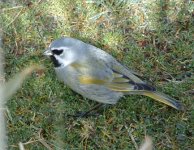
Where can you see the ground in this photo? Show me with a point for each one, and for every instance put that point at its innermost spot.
(153, 38)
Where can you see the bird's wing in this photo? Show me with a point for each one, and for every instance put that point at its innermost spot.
(117, 83)
(117, 67)
(101, 74)
(112, 63)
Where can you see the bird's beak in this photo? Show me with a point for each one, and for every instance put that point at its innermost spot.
(47, 52)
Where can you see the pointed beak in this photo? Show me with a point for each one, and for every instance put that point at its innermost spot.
(47, 52)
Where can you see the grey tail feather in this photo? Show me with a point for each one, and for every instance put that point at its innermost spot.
(141, 86)
(176, 103)
(161, 97)
(165, 98)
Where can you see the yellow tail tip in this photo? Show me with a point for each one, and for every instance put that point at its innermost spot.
(165, 99)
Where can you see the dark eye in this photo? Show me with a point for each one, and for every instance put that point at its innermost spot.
(57, 51)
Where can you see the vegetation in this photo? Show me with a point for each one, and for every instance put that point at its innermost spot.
(154, 38)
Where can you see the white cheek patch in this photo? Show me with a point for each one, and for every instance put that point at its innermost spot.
(67, 59)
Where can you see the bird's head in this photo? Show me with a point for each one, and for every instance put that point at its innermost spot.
(62, 51)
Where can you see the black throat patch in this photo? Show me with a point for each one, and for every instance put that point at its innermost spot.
(55, 61)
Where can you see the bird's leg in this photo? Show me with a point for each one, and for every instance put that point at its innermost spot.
(88, 113)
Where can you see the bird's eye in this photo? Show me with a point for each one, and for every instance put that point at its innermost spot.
(57, 51)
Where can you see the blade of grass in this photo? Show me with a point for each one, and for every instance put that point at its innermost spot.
(13, 84)
(6, 91)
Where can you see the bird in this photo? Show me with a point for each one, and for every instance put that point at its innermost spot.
(97, 75)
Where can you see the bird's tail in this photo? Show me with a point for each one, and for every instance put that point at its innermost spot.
(164, 99)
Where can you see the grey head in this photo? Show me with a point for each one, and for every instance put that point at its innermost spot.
(64, 51)
(64, 42)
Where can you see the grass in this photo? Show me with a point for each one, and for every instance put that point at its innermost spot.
(154, 39)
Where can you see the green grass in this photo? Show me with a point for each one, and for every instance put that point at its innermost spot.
(154, 39)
